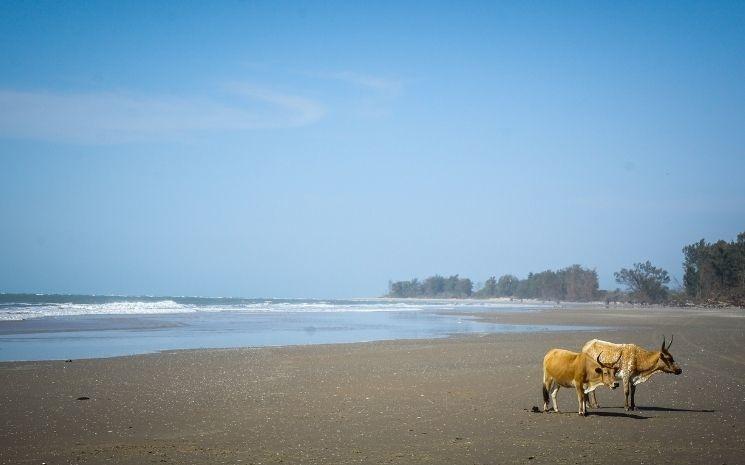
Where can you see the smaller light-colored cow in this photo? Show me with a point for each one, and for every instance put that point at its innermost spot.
(634, 365)
(563, 368)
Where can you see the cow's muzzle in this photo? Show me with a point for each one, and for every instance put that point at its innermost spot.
(678, 371)
(614, 385)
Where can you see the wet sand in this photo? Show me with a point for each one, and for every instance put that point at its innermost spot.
(463, 400)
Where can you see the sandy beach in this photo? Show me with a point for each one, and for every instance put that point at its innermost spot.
(461, 400)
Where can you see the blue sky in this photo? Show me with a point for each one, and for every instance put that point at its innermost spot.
(319, 150)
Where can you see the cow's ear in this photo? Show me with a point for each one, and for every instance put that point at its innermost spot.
(598, 370)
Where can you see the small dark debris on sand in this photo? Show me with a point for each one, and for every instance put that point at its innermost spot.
(83, 398)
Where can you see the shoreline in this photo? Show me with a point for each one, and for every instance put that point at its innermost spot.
(96, 335)
(463, 399)
(569, 317)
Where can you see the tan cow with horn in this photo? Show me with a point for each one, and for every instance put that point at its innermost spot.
(562, 368)
(634, 365)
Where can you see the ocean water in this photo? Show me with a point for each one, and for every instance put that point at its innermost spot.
(59, 327)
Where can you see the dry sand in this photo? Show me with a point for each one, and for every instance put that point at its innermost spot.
(463, 400)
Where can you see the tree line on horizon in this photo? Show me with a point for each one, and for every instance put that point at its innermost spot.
(434, 287)
(713, 273)
(570, 283)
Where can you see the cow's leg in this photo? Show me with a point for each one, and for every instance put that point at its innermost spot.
(554, 391)
(546, 386)
(581, 401)
(593, 400)
(632, 388)
(627, 393)
(588, 399)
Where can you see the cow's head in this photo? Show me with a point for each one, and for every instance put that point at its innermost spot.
(607, 372)
(665, 362)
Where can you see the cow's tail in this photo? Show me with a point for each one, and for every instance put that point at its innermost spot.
(545, 386)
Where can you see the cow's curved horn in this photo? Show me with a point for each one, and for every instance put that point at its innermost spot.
(663, 343)
(618, 359)
(607, 365)
(671, 341)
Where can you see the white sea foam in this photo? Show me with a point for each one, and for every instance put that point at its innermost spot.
(22, 311)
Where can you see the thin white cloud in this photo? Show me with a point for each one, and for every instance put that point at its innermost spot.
(376, 83)
(115, 117)
(375, 95)
(300, 111)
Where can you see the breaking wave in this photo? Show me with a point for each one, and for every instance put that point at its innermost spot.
(25, 306)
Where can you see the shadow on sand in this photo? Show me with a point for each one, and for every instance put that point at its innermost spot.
(616, 414)
(652, 409)
(590, 413)
(670, 409)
